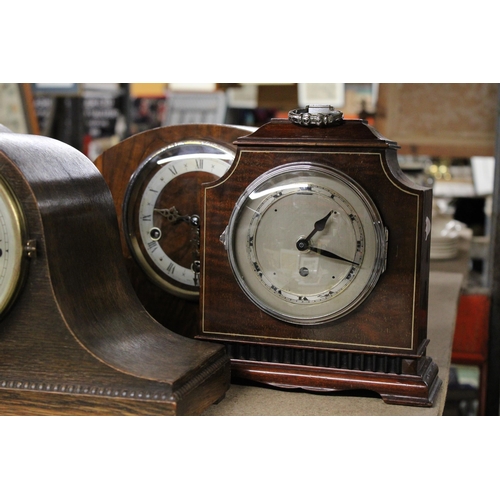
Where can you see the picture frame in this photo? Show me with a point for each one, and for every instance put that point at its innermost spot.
(321, 93)
(17, 110)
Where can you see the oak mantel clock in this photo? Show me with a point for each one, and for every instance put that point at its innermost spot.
(315, 261)
(74, 338)
(155, 178)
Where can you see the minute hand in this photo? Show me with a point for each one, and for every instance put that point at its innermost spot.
(331, 255)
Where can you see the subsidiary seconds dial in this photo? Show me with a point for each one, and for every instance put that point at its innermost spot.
(306, 244)
(161, 212)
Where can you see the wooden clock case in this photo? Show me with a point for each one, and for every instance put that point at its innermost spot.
(117, 165)
(77, 341)
(381, 345)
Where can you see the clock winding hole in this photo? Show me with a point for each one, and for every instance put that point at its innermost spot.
(155, 233)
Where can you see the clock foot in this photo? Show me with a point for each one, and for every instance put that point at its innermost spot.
(418, 389)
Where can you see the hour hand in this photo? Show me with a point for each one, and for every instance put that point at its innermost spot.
(331, 255)
(319, 225)
(172, 214)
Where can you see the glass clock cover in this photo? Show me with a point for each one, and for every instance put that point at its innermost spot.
(306, 244)
(161, 213)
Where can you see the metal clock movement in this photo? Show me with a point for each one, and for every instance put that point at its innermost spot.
(155, 178)
(315, 261)
(74, 337)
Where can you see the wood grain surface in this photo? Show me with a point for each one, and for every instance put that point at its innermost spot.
(78, 340)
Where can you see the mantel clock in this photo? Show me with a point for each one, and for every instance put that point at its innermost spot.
(74, 337)
(155, 178)
(315, 261)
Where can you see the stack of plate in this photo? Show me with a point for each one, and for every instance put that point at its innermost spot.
(445, 237)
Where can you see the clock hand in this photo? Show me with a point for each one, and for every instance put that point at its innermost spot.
(319, 225)
(172, 214)
(331, 255)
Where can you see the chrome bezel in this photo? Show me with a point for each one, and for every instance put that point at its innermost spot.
(264, 301)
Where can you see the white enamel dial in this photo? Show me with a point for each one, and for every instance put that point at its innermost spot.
(150, 234)
(306, 244)
(11, 246)
(161, 213)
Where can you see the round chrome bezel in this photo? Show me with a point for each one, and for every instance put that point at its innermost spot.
(240, 267)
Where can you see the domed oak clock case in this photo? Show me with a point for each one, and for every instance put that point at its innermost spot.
(315, 262)
(155, 178)
(74, 338)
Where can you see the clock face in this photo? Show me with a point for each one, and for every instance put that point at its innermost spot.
(11, 246)
(306, 244)
(161, 212)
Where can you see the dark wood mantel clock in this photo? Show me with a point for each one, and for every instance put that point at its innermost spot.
(74, 338)
(155, 178)
(315, 261)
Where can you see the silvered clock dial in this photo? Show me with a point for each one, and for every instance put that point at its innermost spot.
(306, 244)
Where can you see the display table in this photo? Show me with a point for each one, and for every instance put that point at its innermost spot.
(242, 399)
